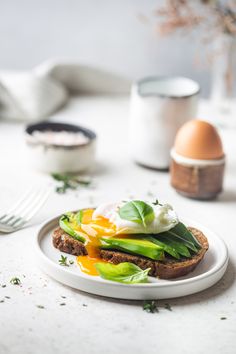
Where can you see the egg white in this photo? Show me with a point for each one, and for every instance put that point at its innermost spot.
(164, 220)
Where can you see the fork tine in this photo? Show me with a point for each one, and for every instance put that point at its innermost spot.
(11, 217)
(34, 207)
(17, 204)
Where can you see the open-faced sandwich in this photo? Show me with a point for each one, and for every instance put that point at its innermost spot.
(129, 240)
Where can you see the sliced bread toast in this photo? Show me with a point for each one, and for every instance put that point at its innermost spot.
(66, 243)
(166, 269)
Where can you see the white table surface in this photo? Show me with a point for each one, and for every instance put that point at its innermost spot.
(103, 325)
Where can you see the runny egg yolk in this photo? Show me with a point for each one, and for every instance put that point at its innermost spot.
(87, 264)
(93, 231)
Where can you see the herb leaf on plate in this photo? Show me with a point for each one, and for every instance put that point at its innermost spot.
(182, 231)
(180, 236)
(137, 211)
(179, 247)
(157, 202)
(127, 273)
(65, 217)
(167, 248)
(63, 261)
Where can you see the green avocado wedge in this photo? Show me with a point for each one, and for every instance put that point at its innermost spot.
(135, 246)
(65, 225)
(167, 248)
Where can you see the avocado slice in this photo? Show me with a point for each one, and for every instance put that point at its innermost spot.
(66, 225)
(135, 246)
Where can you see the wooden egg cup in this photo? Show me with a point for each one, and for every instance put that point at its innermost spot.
(198, 181)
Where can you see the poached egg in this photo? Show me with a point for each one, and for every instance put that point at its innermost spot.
(164, 219)
(106, 221)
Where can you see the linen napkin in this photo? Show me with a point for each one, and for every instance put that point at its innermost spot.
(36, 94)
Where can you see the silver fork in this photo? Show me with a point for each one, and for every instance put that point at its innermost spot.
(24, 209)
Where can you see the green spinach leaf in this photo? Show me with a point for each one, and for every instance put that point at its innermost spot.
(167, 248)
(127, 273)
(179, 247)
(182, 231)
(137, 211)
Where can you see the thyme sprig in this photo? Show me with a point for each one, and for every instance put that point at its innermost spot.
(68, 182)
(150, 306)
(63, 261)
(15, 281)
(168, 307)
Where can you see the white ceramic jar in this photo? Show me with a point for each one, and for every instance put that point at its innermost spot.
(159, 106)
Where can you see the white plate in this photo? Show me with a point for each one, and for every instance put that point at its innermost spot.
(207, 273)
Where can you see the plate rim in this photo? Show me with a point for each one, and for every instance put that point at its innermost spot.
(179, 282)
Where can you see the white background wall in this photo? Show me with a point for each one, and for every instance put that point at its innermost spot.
(106, 33)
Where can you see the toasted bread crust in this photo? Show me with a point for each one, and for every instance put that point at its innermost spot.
(66, 243)
(167, 269)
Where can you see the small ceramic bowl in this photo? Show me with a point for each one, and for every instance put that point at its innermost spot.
(51, 157)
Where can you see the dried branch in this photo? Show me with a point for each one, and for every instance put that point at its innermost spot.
(216, 16)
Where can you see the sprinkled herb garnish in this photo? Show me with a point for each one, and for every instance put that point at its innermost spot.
(40, 307)
(68, 181)
(71, 261)
(3, 285)
(63, 297)
(84, 305)
(168, 307)
(63, 261)
(62, 304)
(157, 202)
(15, 281)
(150, 306)
(7, 297)
(223, 318)
(1, 301)
(65, 217)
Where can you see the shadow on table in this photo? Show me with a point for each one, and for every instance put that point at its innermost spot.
(228, 196)
(100, 169)
(213, 292)
(204, 296)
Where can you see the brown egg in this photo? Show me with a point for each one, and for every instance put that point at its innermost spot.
(198, 139)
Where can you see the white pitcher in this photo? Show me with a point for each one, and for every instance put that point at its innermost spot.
(159, 106)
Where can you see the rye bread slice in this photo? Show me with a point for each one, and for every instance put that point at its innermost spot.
(166, 269)
(66, 243)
